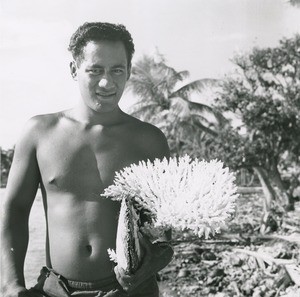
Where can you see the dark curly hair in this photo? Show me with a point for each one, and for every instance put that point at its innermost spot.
(97, 31)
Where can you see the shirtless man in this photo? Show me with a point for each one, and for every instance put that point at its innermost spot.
(73, 155)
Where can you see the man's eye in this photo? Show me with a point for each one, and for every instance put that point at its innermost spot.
(94, 71)
(118, 71)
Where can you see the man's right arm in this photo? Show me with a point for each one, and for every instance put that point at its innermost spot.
(20, 192)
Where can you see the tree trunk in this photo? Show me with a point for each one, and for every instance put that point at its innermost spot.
(268, 223)
(269, 192)
(284, 196)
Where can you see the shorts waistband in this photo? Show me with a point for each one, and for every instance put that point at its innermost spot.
(94, 285)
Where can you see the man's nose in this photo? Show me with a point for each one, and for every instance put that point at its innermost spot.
(106, 82)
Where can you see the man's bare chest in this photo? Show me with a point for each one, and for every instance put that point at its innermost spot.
(81, 162)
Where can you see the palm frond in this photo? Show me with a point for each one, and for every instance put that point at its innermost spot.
(263, 258)
(141, 87)
(140, 108)
(197, 107)
(169, 79)
(200, 118)
(171, 72)
(195, 86)
(204, 128)
(173, 77)
(147, 81)
(294, 237)
(154, 82)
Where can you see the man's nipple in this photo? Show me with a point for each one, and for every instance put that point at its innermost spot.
(52, 180)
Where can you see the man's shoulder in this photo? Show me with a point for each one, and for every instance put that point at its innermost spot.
(148, 137)
(34, 128)
(144, 129)
(38, 125)
(44, 121)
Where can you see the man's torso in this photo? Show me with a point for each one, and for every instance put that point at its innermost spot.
(76, 163)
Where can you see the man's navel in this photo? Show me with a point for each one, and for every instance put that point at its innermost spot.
(89, 249)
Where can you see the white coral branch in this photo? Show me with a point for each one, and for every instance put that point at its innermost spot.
(179, 193)
(112, 255)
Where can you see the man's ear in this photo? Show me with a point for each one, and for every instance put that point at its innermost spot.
(73, 70)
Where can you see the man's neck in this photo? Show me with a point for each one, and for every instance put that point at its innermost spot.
(90, 117)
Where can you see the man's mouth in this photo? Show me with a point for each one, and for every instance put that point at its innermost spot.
(105, 94)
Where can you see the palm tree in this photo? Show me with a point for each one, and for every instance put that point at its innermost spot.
(165, 102)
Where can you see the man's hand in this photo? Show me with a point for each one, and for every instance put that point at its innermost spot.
(156, 257)
(127, 281)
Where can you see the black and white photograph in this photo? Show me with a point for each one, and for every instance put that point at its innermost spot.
(150, 148)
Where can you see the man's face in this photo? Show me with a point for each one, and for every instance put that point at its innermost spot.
(102, 74)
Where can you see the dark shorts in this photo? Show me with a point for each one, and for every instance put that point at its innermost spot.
(51, 284)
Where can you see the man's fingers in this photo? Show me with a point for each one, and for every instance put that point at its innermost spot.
(125, 280)
(120, 272)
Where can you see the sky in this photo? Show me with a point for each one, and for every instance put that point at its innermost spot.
(200, 36)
